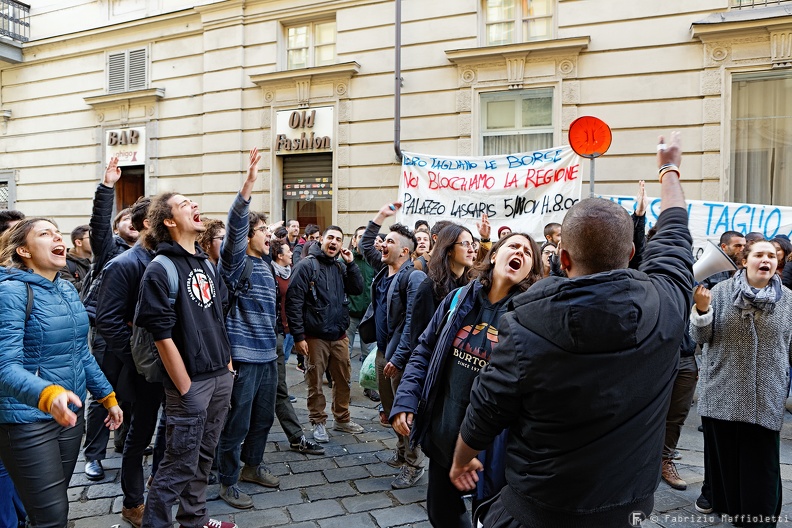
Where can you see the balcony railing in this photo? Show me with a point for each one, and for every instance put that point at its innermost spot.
(15, 20)
(750, 4)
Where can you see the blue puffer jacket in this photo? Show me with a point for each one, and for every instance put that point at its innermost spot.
(49, 348)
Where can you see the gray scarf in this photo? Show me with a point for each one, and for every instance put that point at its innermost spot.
(284, 272)
(746, 297)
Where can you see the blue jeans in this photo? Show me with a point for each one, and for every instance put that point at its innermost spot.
(11, 510)
(249, 419)
(288, 344)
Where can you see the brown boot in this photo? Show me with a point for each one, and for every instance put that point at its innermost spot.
(133, 515)
(671, 476)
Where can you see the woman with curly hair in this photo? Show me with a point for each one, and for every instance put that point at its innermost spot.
(435, 389)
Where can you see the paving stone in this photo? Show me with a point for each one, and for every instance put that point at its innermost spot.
(220, 507)
(75, 493)
(382, 434)
(331, 491)
(358, 520)
(665, 500)
(364, 503)
(303, 525)
(78, 510)
(356, 459)
(332, 450)
(301, 480)
(267, 517)
(321, 509)
(410, 495)
(385, 454)
(118, 503)
(341, 438)
(110, 489)
(399, 515)
(284, 456)
(381, 470)
(278, 498)
(312, 465)
(347, 473)
(365, 447)
(100, 521)
(112, 463)
(373, 484)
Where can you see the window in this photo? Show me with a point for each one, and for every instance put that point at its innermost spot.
(127, 71)
(7, 197)
(750, 4)
(514, 21)
(310, 45)
(516, 121)
(761, 128)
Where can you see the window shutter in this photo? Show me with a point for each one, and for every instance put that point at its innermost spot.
(137, 69)
(116, 72)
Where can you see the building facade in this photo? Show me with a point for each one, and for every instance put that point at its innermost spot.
(181, 90)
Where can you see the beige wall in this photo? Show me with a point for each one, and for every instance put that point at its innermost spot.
(642, 71)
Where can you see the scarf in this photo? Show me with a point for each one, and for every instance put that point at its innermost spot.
(746, 297)
(284, 272)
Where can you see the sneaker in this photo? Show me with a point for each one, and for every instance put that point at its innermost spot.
(383, 418)
(677, 455)
(700, 428)
(260, 475)
(348, 427)
(214, 523)
(300, 368)
(234, 497)
(395, 461)
(292, 398)
(670, 475)
(212, 478)
(703, 505)
(133, 516)
(94, 470)
(371, 395)
(407, 478)
(320, 433)
(307, 447)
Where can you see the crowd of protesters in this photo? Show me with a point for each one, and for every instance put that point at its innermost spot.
(181, 328)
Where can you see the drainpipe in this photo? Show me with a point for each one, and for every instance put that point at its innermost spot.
(397, 91)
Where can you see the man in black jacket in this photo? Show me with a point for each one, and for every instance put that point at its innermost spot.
(108, 240)
(190, 336)
(583, 373)
(317, 309)
(115, 311)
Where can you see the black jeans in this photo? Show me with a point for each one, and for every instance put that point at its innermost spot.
(96, 434)
(148, 398)
(40, 457)
(283, 407)
(444, 502)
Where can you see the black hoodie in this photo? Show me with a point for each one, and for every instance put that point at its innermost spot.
(195, 322)
(582, 375)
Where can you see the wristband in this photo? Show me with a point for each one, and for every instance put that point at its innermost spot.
(673, 168)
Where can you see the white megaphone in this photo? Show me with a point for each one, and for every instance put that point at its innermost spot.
(712, 261)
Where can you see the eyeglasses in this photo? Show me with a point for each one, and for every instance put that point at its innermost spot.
(218, 238)
(262, 229)
(465, 244)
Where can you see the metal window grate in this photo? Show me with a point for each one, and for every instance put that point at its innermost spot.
(15, 20)
(4, 195)
(750, 4)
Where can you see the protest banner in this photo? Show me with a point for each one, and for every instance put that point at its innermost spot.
(523, 191)
(708, 220)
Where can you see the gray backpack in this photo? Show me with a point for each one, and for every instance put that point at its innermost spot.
(144, 351)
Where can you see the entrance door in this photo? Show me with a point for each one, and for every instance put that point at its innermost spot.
(308, 189)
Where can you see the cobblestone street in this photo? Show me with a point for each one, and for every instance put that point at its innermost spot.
(349, 487)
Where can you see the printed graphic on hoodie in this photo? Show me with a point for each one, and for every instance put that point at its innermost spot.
(201, 288)
(473, 345)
